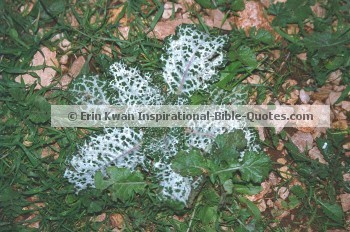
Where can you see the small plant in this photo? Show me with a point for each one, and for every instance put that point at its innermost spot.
(171, 163)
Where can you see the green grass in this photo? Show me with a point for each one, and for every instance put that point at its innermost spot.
(25, 129)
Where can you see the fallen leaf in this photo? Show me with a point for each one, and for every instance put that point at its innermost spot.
(302, 140)
(35, 225)
(76, 66)
(269, 203)
(346, 177)
(107, 50)
(217, 19)
(266, 3)
(274, 179)
(318, 131)
(116, 220)
(276, 54)
(48, 151)
(280, 145)
(345, 201)
(292, 29)
(164, 29)
(339, 115)
(114, 14)
(345, 105)
(43, 57)
(64, 59)
(65, 45)
(254, 79)
(292, 98)
(341, 125)
(304, 97)
(332, 98)
(302, 56)
(293, 95)
(71, 20)
(73, 72)
(251, 16)
(99, 218)
(282, 214)
(285, 173)
(346, 146)
(26, 8)
(124, 20)
(56, 37)
(169, 8)
(186, 15)
(315, 154)
(64, 81)
(124, 32)
(335, 77)
(189, 5)
(339, 88)
(318, 10)
(306, 129)
(281, 161)
(262, 205)
(179, 218)
(283, 193)
(292, 217)
(289, 83)
(321, 94)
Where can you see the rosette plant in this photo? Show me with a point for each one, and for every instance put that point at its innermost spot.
(173, 163)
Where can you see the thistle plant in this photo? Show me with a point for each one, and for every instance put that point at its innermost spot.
(177, 160)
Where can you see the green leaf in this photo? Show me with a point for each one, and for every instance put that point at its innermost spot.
(13, 33)
(95, 206)
(40, 111)
(190, 164)
(206, 4)
(228, 147)
(256, 167)
(247, 57)
(264, 36)
(207, 214)
(294, 152)
(247, 189)
(251, 207)
(326, 148)
(199, 99)
(123, 183)
(335, 63)
(231, 142)
(228, 75)
(100, 182)
(332, 211)
(293, 202)
(298, 191)
(17, 92)
(228, 186)
(53, 7)
(290, 12)
(237, 5)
